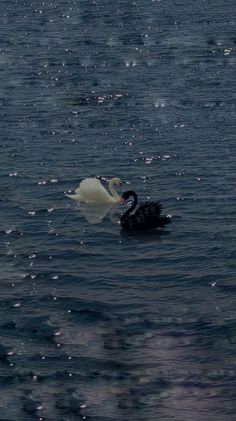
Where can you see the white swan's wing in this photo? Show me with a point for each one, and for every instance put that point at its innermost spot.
(91, 190)
(94, 214)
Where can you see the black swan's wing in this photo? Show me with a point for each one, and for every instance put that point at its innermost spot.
(149, 209)
(147, 216)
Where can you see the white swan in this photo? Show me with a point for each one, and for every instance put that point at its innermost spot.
(91, 190)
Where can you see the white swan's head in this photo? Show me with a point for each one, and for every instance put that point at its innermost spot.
(116, 181)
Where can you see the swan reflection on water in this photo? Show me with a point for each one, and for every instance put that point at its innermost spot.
(144, 236)
(95, 213)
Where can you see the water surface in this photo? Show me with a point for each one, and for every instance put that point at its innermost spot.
(97, 324)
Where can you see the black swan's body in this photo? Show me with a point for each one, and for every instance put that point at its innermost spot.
(146, 217)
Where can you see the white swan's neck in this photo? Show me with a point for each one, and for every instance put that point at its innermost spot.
(113, 191)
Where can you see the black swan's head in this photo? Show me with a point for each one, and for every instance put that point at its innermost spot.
(128, 194)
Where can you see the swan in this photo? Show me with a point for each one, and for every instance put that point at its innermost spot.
(91, 190)
(147, 216)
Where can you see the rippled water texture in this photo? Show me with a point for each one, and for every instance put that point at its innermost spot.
(96, 324)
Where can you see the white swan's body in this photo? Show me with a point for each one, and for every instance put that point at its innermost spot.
(91, 190)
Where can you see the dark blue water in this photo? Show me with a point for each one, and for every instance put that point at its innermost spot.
(95, 324)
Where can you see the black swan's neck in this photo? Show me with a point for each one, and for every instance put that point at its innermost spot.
(134, 204)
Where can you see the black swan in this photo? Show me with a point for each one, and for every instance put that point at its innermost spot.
(146, 217)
